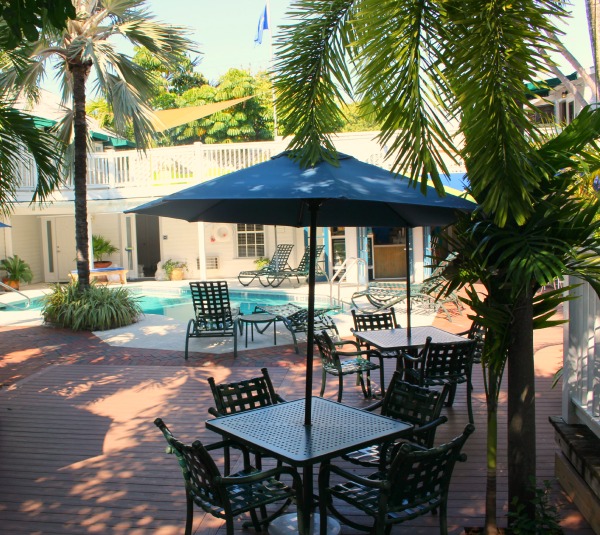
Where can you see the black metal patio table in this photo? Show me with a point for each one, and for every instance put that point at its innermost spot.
(400, 340)
(280, 431)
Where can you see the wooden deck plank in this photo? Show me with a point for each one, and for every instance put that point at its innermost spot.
(79, 452)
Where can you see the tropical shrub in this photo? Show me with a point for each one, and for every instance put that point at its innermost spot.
(16, 269)
(102, 247)
(97, 308)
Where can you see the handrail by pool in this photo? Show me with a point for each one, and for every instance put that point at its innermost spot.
(7, 287)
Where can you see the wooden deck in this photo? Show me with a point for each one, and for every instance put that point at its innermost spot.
(79, 453)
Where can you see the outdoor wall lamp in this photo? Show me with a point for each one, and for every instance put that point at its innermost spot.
(564, 94)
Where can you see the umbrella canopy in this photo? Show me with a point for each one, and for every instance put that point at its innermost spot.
(280, 192)
(2, 225)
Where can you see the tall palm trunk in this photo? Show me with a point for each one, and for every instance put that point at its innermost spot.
(521, 408)
(80, 73)
(491, 490)
(592, 8)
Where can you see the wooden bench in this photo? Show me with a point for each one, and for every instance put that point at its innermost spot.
(103, 273)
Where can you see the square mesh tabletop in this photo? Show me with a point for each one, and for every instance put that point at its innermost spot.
(279, 429)
(398, 339)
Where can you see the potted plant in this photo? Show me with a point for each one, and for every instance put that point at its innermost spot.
(174, 269)
(17, 270)
(102, 247)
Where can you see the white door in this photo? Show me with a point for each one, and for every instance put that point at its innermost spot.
(59, 248)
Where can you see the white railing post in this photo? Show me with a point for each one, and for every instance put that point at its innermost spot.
(200, 164)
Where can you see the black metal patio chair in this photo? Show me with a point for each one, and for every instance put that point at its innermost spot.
(213, 315)
(415, 484)
(275, 278)
(440, 364)
(295, 319)
(359, 363)
(476, 332)
(226, 497)
(376, 322)
(239, 396)
(412, 404)
(278, 262)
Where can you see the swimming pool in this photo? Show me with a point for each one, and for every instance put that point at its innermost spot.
(178, 303)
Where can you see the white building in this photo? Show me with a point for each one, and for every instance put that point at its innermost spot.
(120, 178)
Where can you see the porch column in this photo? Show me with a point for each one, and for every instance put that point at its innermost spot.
(201, 250)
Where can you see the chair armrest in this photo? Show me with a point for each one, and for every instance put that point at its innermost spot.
(326, 469)
(429, 426)
(340, 343)
(362, 353)
(262, 475)
(374, 406)
(410, 358)
(212, 411)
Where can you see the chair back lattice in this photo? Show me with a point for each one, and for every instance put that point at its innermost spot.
(295, 318)
(212, 307)
(329, 356)
(477, 332)
(447, 362)
(375, 322)
(415, 405)
(421, 478)
(243, 395)
(303, 266)
(280, 257)
(199, 471)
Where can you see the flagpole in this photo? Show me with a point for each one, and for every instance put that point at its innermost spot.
(272, 61)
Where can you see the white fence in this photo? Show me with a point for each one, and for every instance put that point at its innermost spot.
(581, 372)
(189, 164)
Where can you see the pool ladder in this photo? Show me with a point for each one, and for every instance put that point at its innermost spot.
(10, 288)
(340, 277)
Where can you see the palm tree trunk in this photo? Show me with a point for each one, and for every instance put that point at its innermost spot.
(592, 9)
(80, 73)
(491, 492)
(521, 409)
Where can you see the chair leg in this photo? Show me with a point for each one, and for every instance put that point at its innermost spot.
(451, 394)
(469, 401)
(189, 330)
(381, 377)
(189, 520)
(443, 519)
(235, 339)
(340, 387)
(323, 379)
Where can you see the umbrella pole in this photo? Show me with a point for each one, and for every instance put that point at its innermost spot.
(408, 325)
(310, 335)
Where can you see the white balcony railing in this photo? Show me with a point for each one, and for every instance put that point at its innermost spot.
(189, 164)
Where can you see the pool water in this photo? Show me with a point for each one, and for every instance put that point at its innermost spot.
(178, 304)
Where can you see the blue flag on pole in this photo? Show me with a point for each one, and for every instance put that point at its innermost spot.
(263, 24)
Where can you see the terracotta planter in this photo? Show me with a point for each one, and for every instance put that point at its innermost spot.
(176, 274)
(102, 264)
(12, 283)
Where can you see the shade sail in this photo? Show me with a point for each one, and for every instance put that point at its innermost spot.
(280, 192)
(165, 119)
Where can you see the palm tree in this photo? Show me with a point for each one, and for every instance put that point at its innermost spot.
(416, 65)
(19, 137)
(88, 44)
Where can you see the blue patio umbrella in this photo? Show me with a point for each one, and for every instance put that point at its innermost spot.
(280, 192)
(2, 225)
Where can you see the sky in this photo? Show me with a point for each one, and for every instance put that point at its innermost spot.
(225, 31)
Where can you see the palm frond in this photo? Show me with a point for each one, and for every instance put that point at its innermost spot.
(312, 75)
